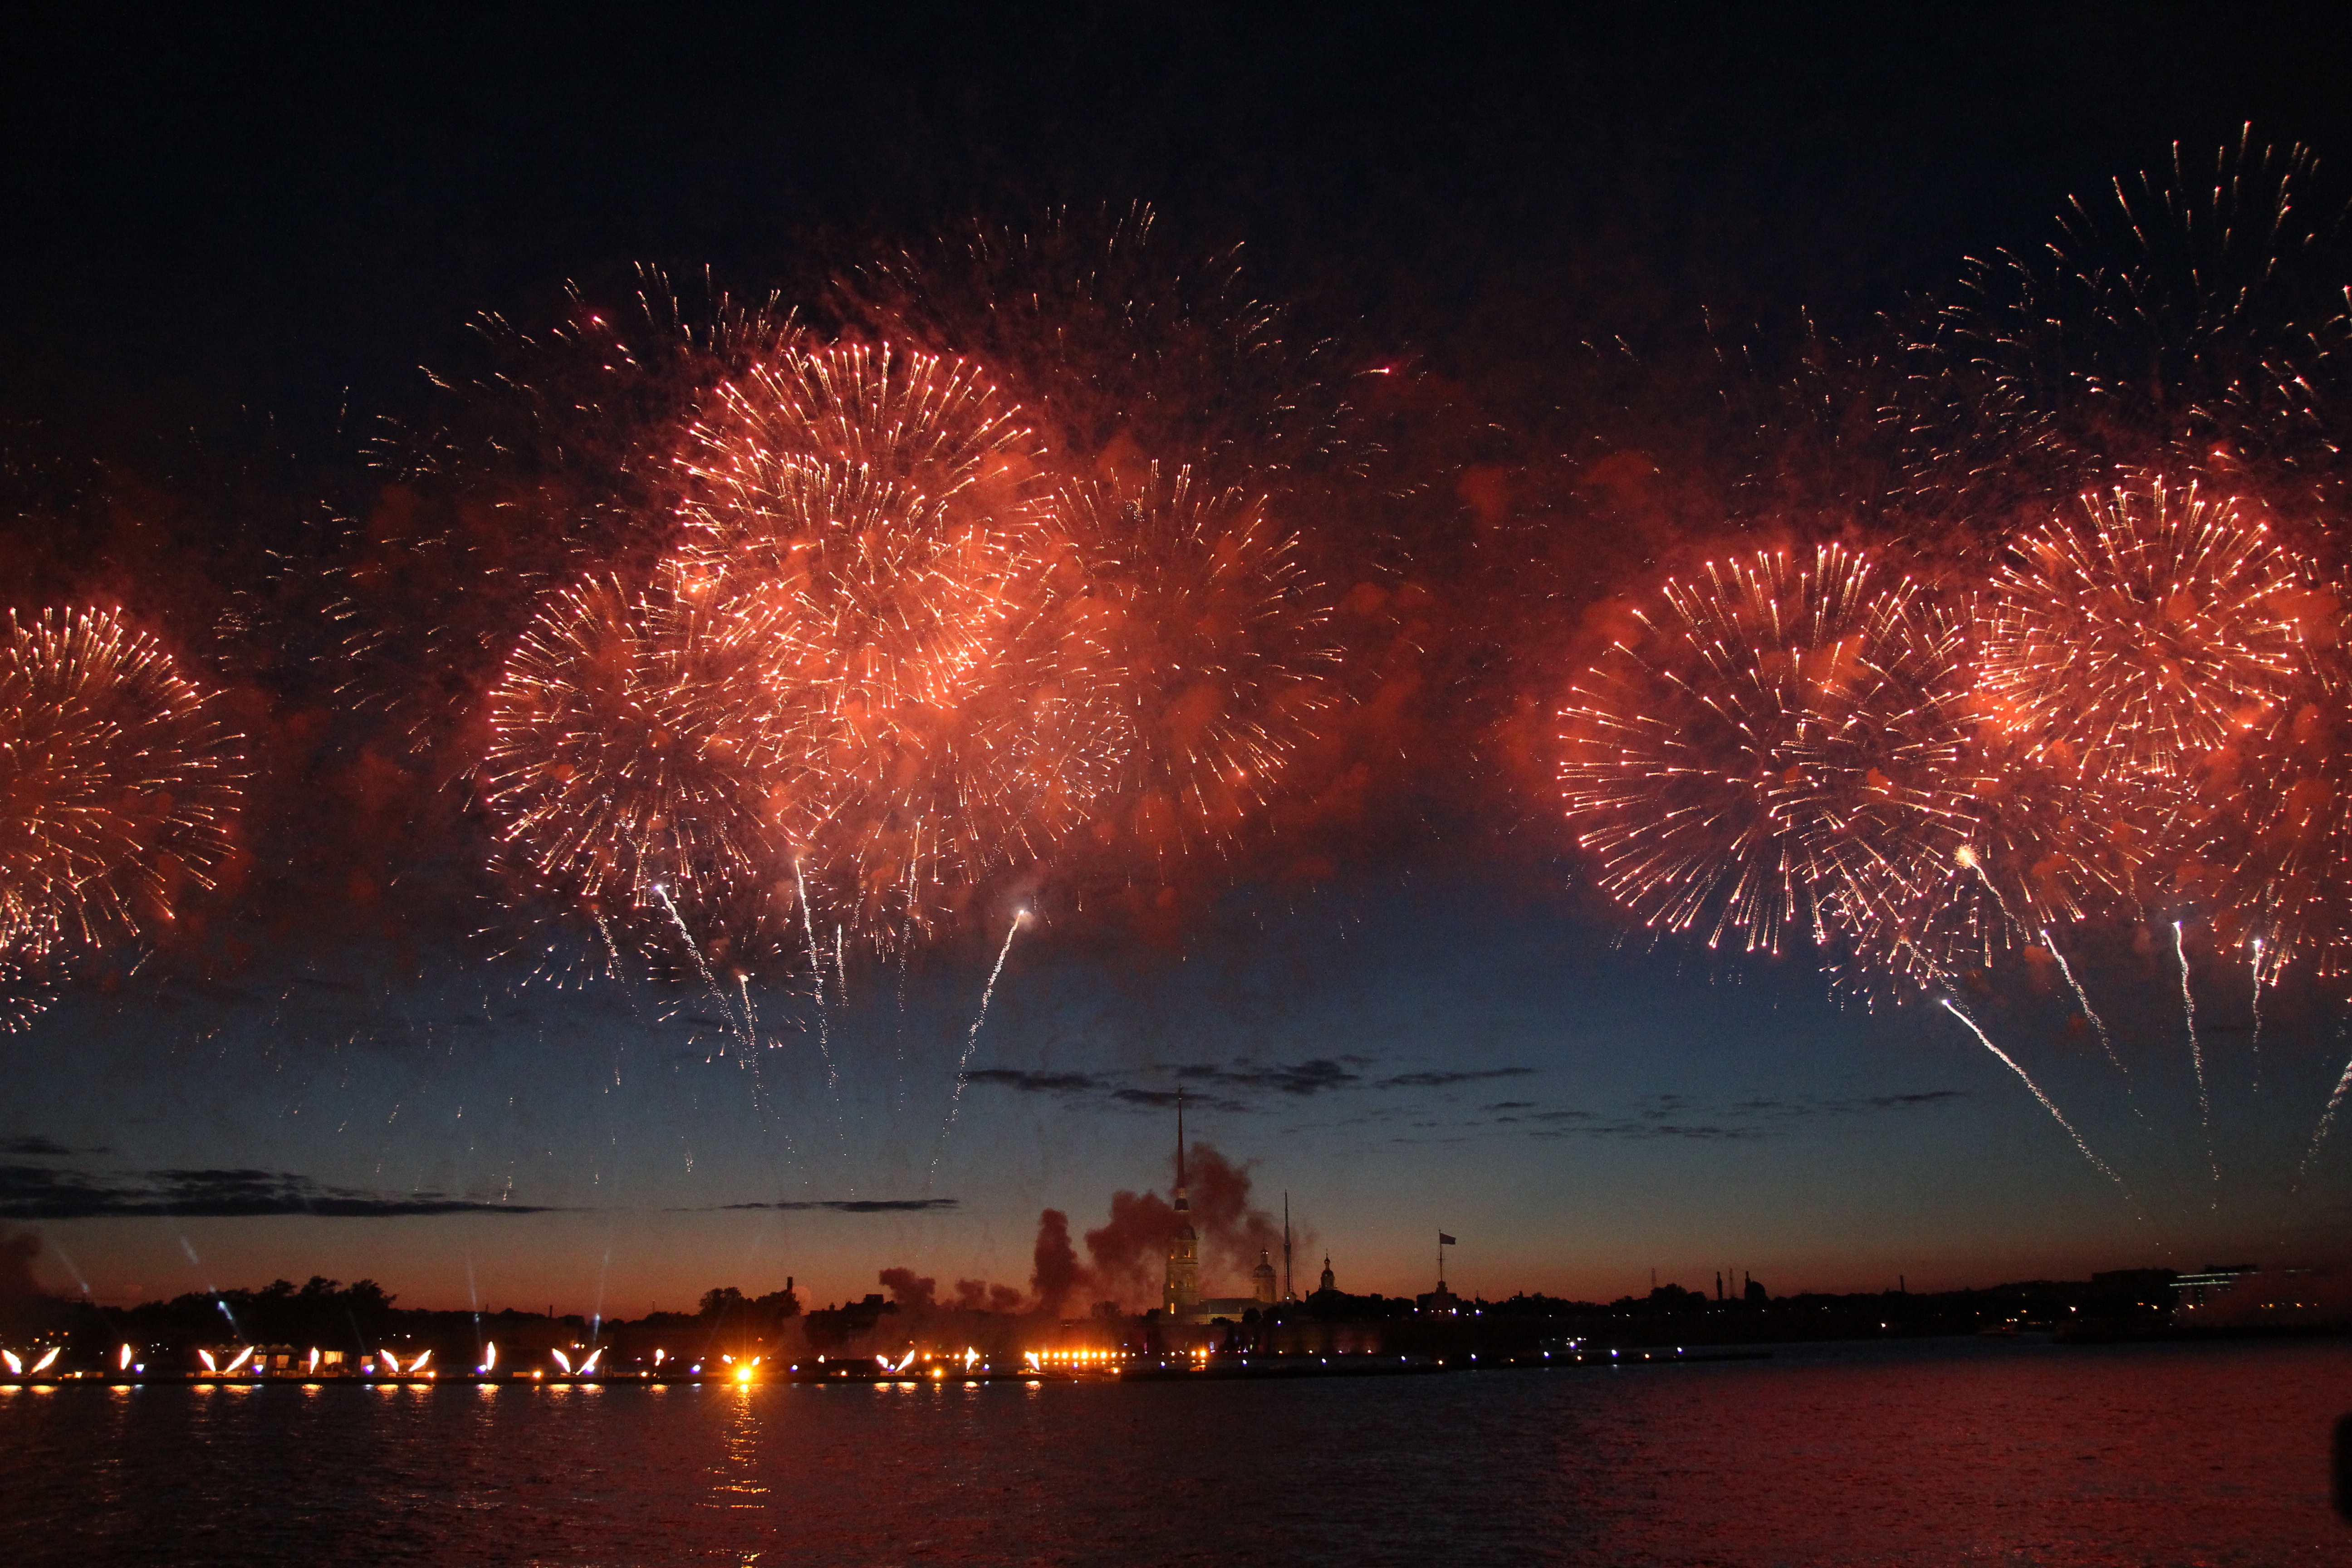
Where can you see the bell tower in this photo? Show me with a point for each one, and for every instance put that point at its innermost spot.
(1183, 1292)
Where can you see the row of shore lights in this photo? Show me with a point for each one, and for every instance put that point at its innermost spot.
(743, 1371)
(388, 1361)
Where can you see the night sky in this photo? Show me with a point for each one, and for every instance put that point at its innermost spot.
(231, 250)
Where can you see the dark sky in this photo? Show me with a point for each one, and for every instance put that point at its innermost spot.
(208, 211)
(208, 221)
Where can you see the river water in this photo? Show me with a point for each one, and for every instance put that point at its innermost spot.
(1937, 1452)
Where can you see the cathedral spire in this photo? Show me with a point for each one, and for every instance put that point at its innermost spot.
(1183, 1292)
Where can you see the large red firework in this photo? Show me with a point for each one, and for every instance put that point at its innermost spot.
(2146, 629)
(631, 763)
(1768, 750)
(1208, 653)
(119, 784)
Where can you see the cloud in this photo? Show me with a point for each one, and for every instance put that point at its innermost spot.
(1297, 1080)
(1035, 1082)
(32, 1146)
(1080, 1083)
(1680, 1116)
(1851, 1105)
(1641, 1129)
(1903, 1101)
(1438, 1079)
(1306, 1077)
(30, 1192)
(1162, 1098)
(841, 1207)
(1229, 1087)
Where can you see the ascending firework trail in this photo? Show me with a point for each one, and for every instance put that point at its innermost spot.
(2257, 1043)
(2083, 1000)
(2047, 1103)
(972, 1039)
(2197, 1060)
(745, 1029)
(2326, 1119)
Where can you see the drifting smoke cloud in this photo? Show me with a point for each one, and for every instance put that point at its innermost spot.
(17, 1284)
(1128, 1256)
(1129, 1253)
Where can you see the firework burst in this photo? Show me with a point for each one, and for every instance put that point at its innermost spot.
(550, 458)
(119, 782)
(2270, 848)
(1208, 649)
(629, 753)
(1768, 751)
(881, 512)
(2188, 319)
(1128, 351)
(2151, 627)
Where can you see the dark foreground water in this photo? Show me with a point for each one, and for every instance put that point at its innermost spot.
(1947, 1452)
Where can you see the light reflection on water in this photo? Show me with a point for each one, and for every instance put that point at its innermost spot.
(1947, 1452)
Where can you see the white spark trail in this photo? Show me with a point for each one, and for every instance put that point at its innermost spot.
(816, 971)
(2258, 1015)
(2083, 1000)
(2326, 1119)
(955, 1101)
(2047, 1103)
(695, 951)
(745, 1030)
(611, 946)
(2197, 1060)
(1969, 856)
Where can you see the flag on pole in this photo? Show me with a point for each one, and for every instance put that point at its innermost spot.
(1446, 1240)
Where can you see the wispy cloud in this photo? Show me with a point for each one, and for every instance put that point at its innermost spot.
(1231, 1086)
(1317, 1077)
(1117, 1091)
(1036, 1082)
(841, 1207)
(32, 1146)
(1678, 1116)
(1439, 1078)
(32, 1191)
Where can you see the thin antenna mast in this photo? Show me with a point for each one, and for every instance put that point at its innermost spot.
(1285, 1245)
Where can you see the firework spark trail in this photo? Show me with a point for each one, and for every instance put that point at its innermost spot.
(955, 1101)
(2083, 1000)
(612, 947)
(816, 972)
(1966, 855)
(2257, 1045)
(2326, 1119)
(2047, 1103)
(693, 951)
(750, 1020)
(2197, 1059)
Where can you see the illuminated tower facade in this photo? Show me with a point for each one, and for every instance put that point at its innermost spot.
(1184, 1294)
